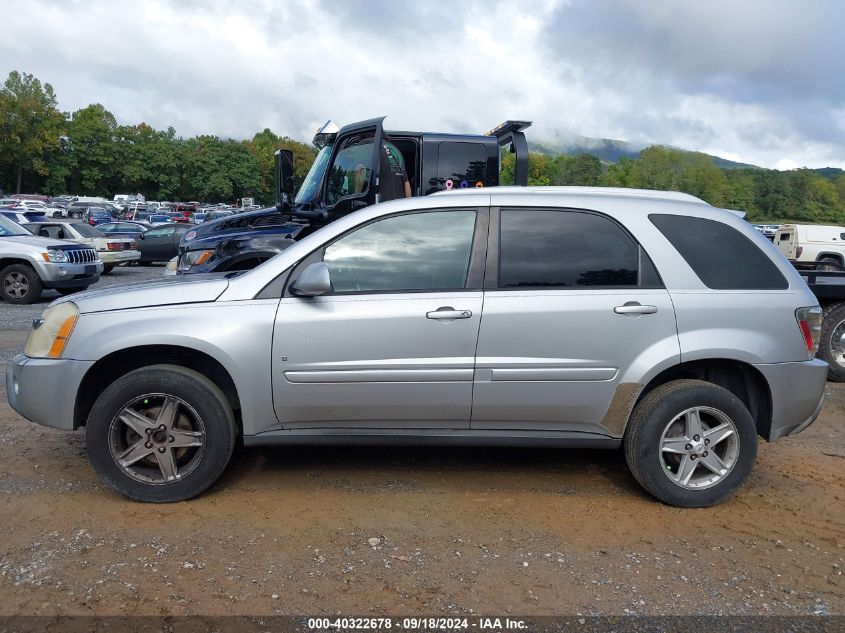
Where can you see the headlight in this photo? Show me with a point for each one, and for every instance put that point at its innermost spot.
(51, 332)
(56, 257)
(194, 258)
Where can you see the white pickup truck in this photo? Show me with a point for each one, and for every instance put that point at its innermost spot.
(808, 243)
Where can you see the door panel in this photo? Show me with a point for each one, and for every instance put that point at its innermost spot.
(375, 361)
(553, 359)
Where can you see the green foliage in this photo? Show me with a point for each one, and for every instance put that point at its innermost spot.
(30, 127)
(88, 153)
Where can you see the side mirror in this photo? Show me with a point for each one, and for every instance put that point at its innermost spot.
(284, 180)
(141, 236)
(313, 281)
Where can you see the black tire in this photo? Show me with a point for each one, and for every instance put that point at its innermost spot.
(107, 268)
(76, 214)
(199, 393)
(645, 429)
(832, 316)
(69, 291)
(145, 262)
(828, 264)
(29, 288)
(57, 214)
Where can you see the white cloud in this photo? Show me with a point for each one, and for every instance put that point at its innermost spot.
(232, 69)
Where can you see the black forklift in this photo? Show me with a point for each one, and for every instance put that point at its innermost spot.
(358, 165)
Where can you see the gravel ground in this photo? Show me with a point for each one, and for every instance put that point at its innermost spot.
(416, 531)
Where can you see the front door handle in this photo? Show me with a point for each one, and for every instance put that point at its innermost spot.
(448, 313)
(634, 307)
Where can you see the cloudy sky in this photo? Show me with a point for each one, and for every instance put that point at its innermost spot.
(758, 81)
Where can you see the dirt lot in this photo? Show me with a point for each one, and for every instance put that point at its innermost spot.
(419, 531)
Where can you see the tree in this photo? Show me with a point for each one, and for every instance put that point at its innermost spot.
(94, 150)
(30, 127)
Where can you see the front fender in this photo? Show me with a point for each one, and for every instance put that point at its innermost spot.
(238, 335)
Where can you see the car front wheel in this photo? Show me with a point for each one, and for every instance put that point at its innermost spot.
(691, 443)
(19, 283)
(160, 434)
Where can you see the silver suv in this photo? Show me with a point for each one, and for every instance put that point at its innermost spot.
(577, 317)
(29, 264)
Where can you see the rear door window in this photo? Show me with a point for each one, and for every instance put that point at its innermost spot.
(722, 257)
(542, 248)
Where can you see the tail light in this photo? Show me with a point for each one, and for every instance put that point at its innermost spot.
(798, 251)
(132, 245)
(810, 324)
(115, 246)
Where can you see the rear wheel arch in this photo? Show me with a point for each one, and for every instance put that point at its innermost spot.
(121, 362)
(827, 255)
(740, 378)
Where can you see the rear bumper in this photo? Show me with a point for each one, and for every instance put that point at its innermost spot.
(44, 390)
(117, 257)
(797, 395)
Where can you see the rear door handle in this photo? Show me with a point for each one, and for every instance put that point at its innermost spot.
(448, 313)
(634, 307)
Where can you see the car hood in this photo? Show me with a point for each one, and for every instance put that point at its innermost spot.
(34, 240)
(156, 292)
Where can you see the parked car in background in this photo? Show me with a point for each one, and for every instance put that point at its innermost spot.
(124, 227)
(808, 243)
(31, 197)
(767, 230)
(79, 208)
(159, 218)
(32, 205)
(199, 217)
(21, 217)
(113, 251)
(97, 215)
(217, 214)
(161, 243)
(29, 264)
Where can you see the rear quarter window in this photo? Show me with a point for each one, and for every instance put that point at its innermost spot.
(722, 257)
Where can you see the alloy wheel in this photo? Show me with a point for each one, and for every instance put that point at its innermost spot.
(699, 448)
(157, 438)
(16, 285)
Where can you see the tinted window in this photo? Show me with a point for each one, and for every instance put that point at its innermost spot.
(352, 168)
(564, 248)
(459, 165)
(420, 251)
(722, 257)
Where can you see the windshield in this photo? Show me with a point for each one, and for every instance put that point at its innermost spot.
(315, 177)
(8, 228)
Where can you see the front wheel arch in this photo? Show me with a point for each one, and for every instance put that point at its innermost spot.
(119, 363)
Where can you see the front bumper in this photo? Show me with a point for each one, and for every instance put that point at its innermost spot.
(797, 395)
(69, 275)
(44, 390)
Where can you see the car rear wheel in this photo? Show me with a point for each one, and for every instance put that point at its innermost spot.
(57, 214)
(690, 443)
(160, 434)
(832, 341)
(107, 268)
(20, 284)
